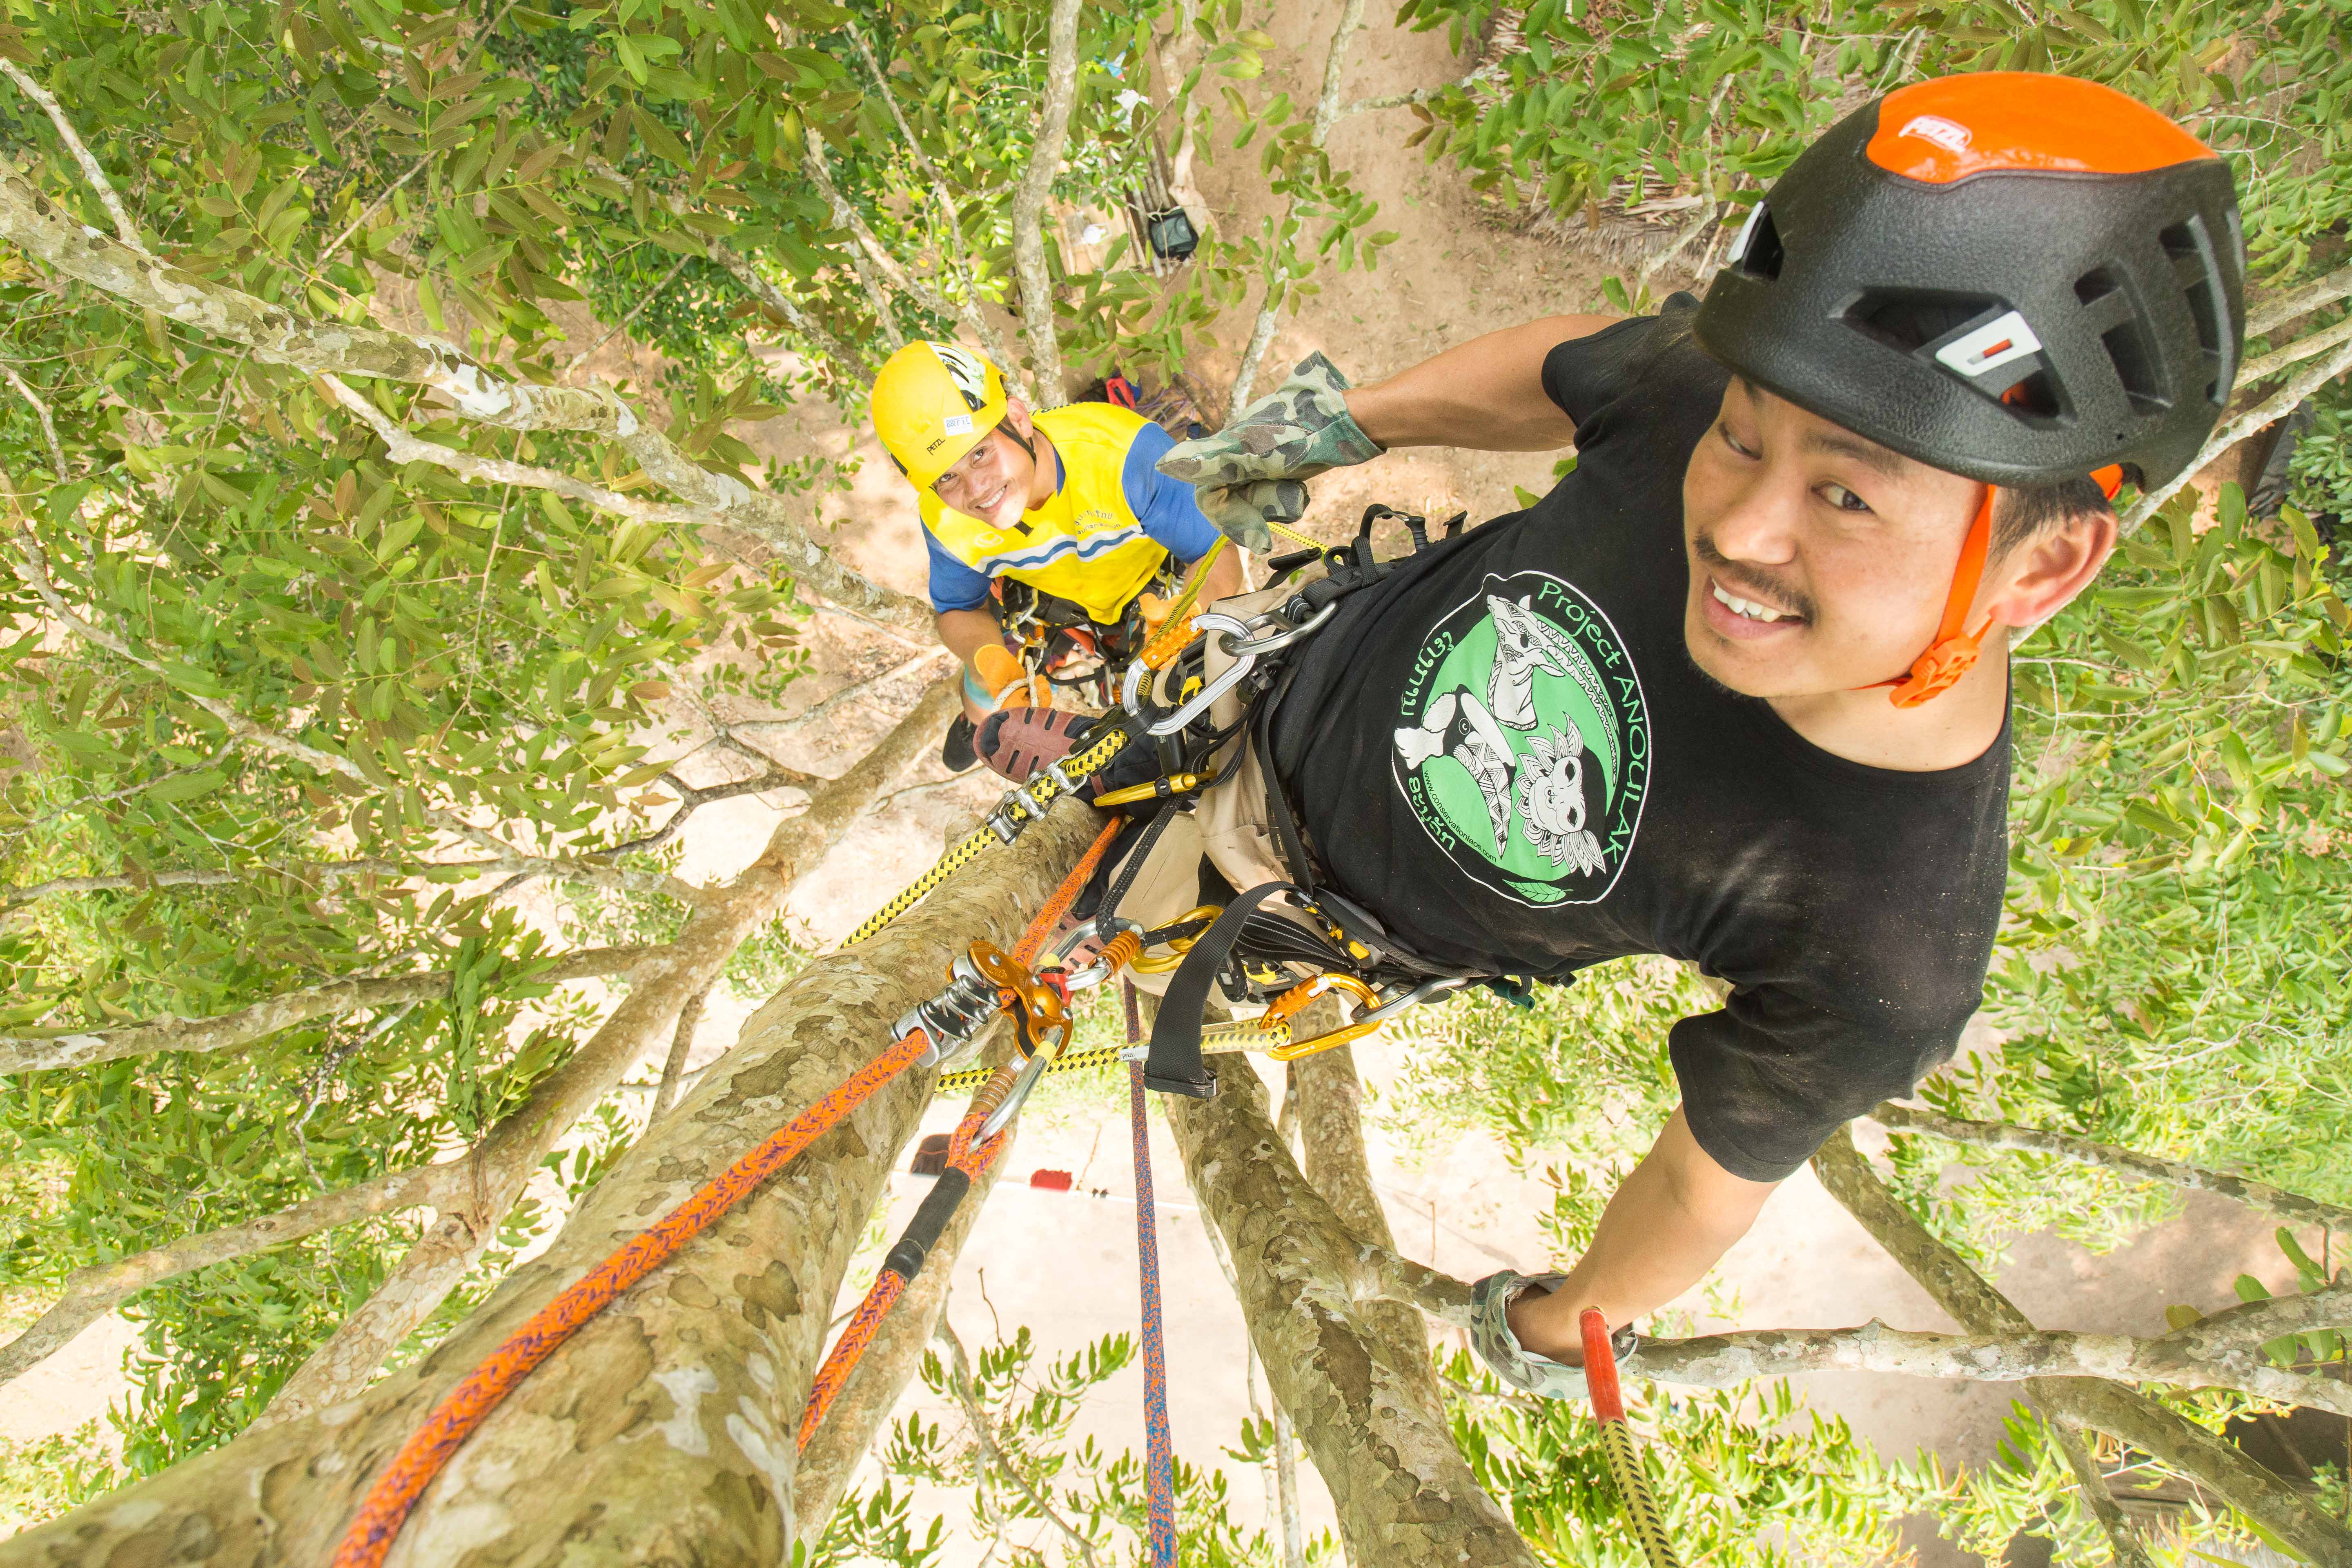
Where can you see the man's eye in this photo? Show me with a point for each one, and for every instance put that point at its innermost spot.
(1733, 441)
(1843, 498)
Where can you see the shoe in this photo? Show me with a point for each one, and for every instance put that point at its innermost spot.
(1017, 741)
(957, 753)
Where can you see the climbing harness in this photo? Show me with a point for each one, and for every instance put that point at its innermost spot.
(1159, 1448)
(1617, 1443)
(396, 1490)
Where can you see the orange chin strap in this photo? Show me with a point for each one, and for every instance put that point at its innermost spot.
(1955, 649)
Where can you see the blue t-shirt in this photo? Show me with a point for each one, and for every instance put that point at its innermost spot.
(1164, 508)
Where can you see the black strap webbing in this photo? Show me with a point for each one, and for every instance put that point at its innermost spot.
(1175, 1066)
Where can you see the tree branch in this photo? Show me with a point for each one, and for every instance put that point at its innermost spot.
(870, 258)
(2107, 1156)
(41, 409)
(403, 447)
(2074, 1402)
(2271, 314)
(968, 305)
(2276, 406)
(227, 1031)
(2260, 369)
(124, 230)
(1036, 189)
(1278, 281)
(1422, 94)
(976, 1413)
(681, 1042)
(278, 336)
(90, 1293)
(714, 929)
(1331, 1132)
(776, 300)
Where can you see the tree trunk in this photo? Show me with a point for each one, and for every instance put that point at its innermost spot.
(1331, 1128)
(662, 1432)
(1403, 1493)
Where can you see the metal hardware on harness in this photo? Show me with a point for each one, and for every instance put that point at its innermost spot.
(1283, 638)
(951, 1020)
(982, 984)
(1167, 788)
(1426, 991)
(1106, 962)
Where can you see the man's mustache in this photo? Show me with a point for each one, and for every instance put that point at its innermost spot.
(1746, 583)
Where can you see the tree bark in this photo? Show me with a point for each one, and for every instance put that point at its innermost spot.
(513, 1150)
(662, 1432)
(1404, 1494)
(2107, 1156)
(2074, 1402)
(1331, 1130)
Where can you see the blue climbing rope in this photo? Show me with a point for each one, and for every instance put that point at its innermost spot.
(1158, 1447)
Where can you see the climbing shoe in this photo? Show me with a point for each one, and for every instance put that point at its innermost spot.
(1499, 1348)
(1017, 741)
(957, 752)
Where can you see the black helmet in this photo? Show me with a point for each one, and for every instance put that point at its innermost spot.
(2014, 277)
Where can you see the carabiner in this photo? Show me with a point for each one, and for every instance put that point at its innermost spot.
(1252, 647)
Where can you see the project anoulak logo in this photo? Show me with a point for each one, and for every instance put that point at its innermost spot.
(1523, 740)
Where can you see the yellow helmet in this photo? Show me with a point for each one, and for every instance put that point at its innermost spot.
(932, 403)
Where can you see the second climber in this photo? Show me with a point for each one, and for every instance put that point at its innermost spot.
(1066, 501)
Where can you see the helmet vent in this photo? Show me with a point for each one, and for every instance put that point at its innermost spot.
(1760, 251)
(1910, 320)
(2094, 285)
(2135, 367)
(2194, 264)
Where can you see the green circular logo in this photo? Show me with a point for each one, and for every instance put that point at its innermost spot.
(1523, 740)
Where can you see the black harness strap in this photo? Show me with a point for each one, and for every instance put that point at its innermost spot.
(1175, 1066)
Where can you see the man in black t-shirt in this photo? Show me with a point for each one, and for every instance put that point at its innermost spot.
(1652, 712)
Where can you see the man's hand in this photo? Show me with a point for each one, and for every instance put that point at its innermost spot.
(1675, 1217)
(1248, 474)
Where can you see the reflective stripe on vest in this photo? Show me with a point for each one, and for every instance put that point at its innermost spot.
(1085, 544)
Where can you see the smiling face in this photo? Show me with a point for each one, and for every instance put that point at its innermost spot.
(993, 482)
(1819, 561)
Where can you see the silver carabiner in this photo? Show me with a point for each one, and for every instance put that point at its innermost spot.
(1283, 638)
(1209, 621)
(1094, 973)
(1426, 991)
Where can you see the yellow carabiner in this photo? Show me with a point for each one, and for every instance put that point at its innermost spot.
(1295, 1000)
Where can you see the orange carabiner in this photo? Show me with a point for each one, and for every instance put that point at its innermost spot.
(1295, 1000)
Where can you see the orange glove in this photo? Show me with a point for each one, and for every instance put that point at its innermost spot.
(1001, 673)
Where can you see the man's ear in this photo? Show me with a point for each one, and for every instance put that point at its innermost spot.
(2042, 577)
(1016, 415)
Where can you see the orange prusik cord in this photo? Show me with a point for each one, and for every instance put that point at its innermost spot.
(967, 1163)
(402, 1482)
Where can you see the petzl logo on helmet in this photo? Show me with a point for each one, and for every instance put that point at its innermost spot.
(965, 369)
(1523, 741)
(1950, 134)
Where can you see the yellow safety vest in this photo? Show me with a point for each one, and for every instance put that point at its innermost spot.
(1085, 544)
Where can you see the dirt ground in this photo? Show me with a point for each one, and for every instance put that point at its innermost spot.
(1063, 1264)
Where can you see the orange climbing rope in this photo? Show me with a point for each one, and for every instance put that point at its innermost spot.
(968, 1159)
(396, 1490)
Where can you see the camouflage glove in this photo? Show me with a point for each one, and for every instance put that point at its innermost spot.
(1491, 1336)
(1247, 474)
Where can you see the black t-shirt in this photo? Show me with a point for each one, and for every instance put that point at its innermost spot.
(1505, 752)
